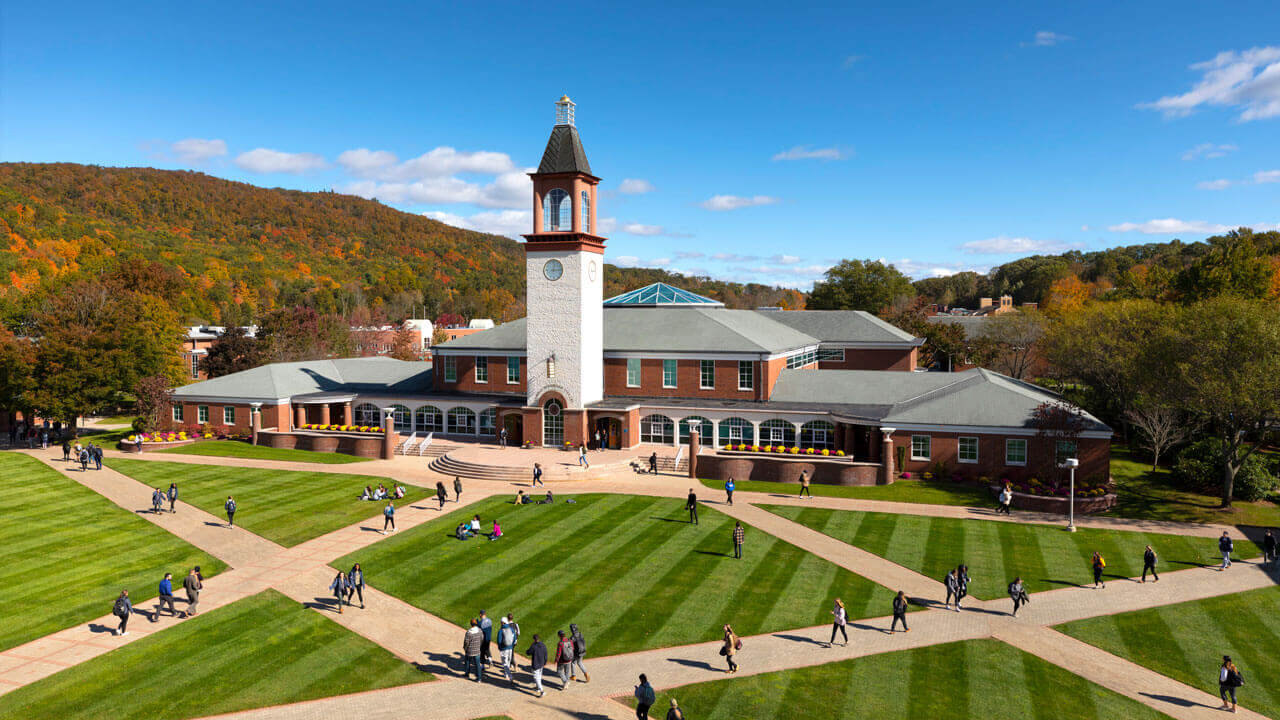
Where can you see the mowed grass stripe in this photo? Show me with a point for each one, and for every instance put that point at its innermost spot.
(285, 506)
(979, 678)
(1043, 555)
(66, 552)
(1186, 641)
(622, 567)
(262, 650)
(237, 449)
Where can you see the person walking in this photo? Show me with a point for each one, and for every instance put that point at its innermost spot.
(579, 651)
(582, 456)
(122, 608)
(441, 494)
(1225, 546)
(471, 642)
(1099, 565)
(508, 636)
(731, 647)
(96, 451)
(457, 488)
(165, 592)
(599, 441)
(192, 584)
(838, 626)
(537, 661)
(389, 517)
(674, 713)
(537, 475)
(899, 612)
(1006, 498)
(1268, 548)
(1229, 678)
(486, 629)
(84, 459)
(645, 698)
(339, 589)
(173, 496)
(953, 589)
(564, 658)
(66, 449)
(157, 500)
(1149, 563)
(502, 438)
(355, 584)
(739, 534)
(230, 507)
(653, 463)
(962, 583)
(691, 504)
(729, 487)
(804, 485)
(1018, 594)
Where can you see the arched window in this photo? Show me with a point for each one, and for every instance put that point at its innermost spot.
(462, 421)
(487, 420)
(557, 211)
(552, 424)
(366, 414)
(428, 418)
(777, 432)
(586, 212)
(818, 434)
(657, 429)
(701, 424)
(735, 430)
(403, 418)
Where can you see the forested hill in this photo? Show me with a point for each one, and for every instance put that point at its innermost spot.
(233, 251)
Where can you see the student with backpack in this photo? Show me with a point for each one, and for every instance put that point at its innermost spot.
(645, 698)
(508, 636)
(962, 582)
(1018, 594)
(230, 507)
(899, 612)
(1225, 546)
(674, 713)
(579, 650)
(122, 609)
(388, 517)
(537, 475)
(564, 658)
(156, 501)
(441, 494)
(457, 489)
(486, 646)
(173, 495)
(953, 589)
(1229, 678)
(1098, 566)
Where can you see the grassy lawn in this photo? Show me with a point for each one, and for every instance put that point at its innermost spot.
(627, 569)
(1044, 556)
(66, 552)
(1187, 641)
(978, 679)
(214, 663)
(908, 491)
(1146, 493)
(238, 449)
(116, 420)
(286, 506)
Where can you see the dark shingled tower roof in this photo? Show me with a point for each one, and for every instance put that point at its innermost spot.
(564, 153)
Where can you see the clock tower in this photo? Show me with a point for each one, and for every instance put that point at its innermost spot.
(564, 273)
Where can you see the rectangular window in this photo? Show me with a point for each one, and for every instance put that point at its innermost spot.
(1015, 452)
(746, 375)
(202, 414)
(551, 366)
(968, 450)
(195, 366)
(513, 370)
(177, 413)
(482, 369)
(836, 354)
(1063, 450)
(800, 359)
(920, 447)
(450, 368)
(633, 372)
(707, 374)
(228, 415)
(668, 373)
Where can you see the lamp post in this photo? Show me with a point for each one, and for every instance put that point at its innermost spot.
(1071, 464)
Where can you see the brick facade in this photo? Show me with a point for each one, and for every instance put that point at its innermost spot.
(1094, 455)
(887, 359)
(466, 374)
(688, 380)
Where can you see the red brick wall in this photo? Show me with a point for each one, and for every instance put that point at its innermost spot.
(467, 375)
(904, 360)
(1094, 456)
(688, 380)
(723, 467)
(770, 370)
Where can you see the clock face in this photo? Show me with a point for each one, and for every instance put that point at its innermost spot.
(553, 270)
(591, 270)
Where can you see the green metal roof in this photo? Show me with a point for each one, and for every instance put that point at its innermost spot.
(660, 295)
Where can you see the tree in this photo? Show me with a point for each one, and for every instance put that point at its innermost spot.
(439, 335)
(1067, 294)
(153, 399)
(302, 333)
(944, 343)
(1057, 422)
(868, 285)
(1219, 363)
(1012, 341)
(232, 352)
(1160, 427)
(16, 357)
(1233, 265)
(404, 345)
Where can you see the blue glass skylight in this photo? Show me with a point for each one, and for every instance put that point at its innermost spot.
(660, 295)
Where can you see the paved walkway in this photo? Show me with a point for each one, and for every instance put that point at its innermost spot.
(303, 573)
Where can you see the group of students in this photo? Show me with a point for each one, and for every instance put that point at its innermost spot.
(83, 454)
(468, 530)
(193, 583)
(159, 496)
(347, 585)
(442, 495)
(477, 641)
(382, 493)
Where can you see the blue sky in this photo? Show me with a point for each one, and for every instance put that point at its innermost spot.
(754, 142)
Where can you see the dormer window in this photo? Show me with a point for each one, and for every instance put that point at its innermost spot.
(557, 211)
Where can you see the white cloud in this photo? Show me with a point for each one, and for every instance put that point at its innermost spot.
(786, 259)
(689, 255)
(1266, 176)
(635, 186)
(1249, 80)
(639, 229)
(1214, 184)
(1262, 177)
(1169, 226)
(850, 61)
(606, 225)
(626, 260)
(1046, 38)
(919, 269)
(198, 150)
(511, 223)
(1004, 245)
(441, 162)
(805, 152)
(720, 203)
(265, 160)
(1208, 151)
(734, 257)
(508, 190)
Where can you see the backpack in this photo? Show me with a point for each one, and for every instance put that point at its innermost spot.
(120, 609)
(566, 652)
(579, 645)
(1236, 679)
(737, 643)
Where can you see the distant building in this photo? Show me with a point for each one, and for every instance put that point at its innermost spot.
(196, 344)
(380, 340)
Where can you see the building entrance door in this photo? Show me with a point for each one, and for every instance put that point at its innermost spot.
(610, 430)
(514, 426)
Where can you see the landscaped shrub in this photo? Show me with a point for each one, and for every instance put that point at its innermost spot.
(1199, 469)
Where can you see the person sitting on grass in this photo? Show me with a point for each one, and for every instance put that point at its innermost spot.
(463, 531)
(549, 499)
(520, 497)
(399, 491)
(367, 494)
(381, 493)
(475, 524)
(497, 530)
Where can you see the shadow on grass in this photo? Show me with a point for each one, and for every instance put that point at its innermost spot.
(713, 553)
(670, 520)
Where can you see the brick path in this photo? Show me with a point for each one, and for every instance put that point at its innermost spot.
(302, 573)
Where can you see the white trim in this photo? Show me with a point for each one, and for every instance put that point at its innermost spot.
(928, 441)
(228, 400)
(978, 449)
(886, 345)
(676, 381)
(993, 430)
(702, 355)
(474, 352)
(1026, 451)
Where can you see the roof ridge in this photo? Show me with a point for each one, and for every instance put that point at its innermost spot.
(924, 397)
(755, 313)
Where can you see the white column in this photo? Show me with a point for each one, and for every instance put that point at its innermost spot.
(715, 434)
